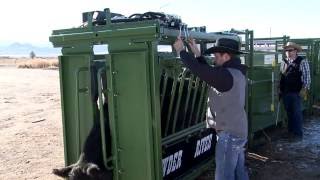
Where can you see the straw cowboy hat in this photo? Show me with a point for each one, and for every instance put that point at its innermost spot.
(292, 45)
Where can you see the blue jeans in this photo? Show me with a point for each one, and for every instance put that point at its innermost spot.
(230, 157)
(292, 104)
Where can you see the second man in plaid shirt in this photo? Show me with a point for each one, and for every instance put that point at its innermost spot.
(294, 84)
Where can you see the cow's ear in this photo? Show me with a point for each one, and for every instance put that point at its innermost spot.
(62, 172)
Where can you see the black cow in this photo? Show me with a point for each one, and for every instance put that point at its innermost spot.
(90, 165)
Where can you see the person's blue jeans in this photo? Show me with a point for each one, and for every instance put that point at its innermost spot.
(230, 159)
(292, 104)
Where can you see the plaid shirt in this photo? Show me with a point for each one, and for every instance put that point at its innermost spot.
(304, 68)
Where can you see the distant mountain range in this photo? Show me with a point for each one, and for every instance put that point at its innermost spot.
(19, 49)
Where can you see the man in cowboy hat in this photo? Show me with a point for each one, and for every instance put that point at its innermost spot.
(226, 112)
(294, 83)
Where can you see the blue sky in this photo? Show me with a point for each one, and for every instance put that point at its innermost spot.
(32, 21)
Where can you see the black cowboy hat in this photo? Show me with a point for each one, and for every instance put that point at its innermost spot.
(226, 45)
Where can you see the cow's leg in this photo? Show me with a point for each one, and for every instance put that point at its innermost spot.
(66, 171)
(63, 172)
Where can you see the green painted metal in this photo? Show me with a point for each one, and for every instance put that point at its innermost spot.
(263, 98)
(164, 89)
(173, 68)
(178, 101)
(132, 122)
(200, 102)
(205, 104)
(187, 100)
(76, 103)
(104, 143)
(183, 133)
(173, 90)
(263, 75)
(194, 100)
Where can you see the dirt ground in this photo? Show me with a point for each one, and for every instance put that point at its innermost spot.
(31, 141)
(30, 124)
(289, 158)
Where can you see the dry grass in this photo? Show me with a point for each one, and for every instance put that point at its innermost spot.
(38, 64)
(8, 61)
